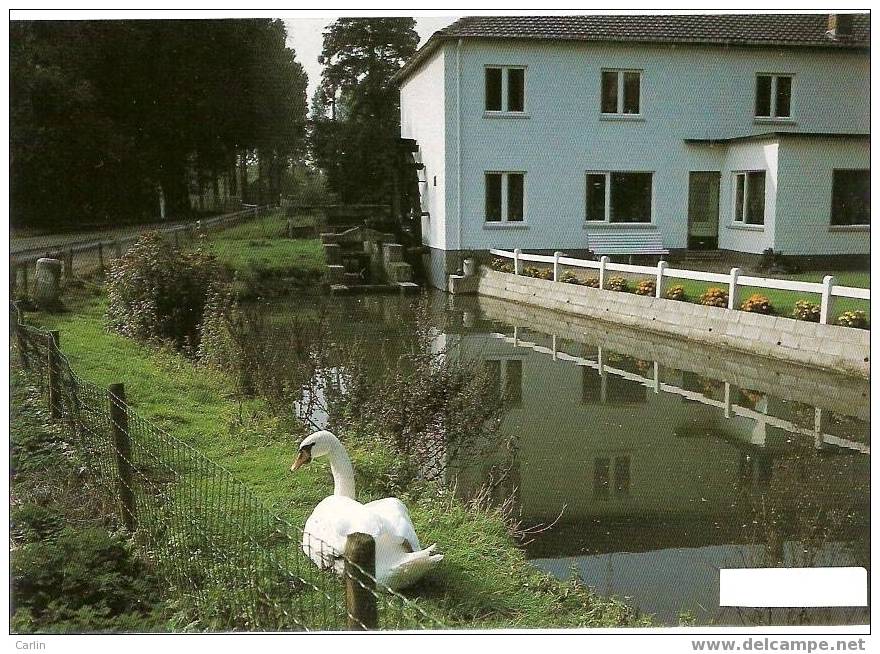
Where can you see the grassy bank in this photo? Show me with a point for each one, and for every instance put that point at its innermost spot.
(484, 580)
(72, 571)
(265, 260)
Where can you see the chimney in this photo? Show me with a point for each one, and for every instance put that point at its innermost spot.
(839, 25)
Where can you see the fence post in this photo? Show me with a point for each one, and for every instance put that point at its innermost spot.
(290, 228)
(733, 290)
(827, 299)
(117, 248)
(658, 286)
(556, 256)
(603, 261)
(177, 239)
(24, 280)
(122, 445)
(68, 265)
(53, 370)
(100, 257)
(360, 582)
(517, 265)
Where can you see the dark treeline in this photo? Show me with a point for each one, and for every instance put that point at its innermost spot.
(105, 113)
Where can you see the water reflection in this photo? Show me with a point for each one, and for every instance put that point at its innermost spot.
(666, 460)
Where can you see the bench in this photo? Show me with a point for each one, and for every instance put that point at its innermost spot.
(626, 241)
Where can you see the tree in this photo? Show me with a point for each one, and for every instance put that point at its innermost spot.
(356, 114)
(104, 112)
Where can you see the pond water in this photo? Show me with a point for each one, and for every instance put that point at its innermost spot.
(644, 464)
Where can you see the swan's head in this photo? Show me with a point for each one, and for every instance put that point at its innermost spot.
(316, 445)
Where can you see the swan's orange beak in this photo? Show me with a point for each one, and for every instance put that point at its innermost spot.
(305, 455)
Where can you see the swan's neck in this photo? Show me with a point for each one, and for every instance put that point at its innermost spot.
(343, 472)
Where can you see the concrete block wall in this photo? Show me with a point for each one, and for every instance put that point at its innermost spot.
(840, 349)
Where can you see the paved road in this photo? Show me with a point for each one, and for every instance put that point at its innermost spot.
(34, 244)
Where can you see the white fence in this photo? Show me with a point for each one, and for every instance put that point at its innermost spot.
(734, 280)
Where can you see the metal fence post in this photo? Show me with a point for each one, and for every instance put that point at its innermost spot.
(53, 371)
(733, 290)
(827, 299)
(603, 261)
(517, 264)
(360, 583)
(658, 286)
(556, 256)
(122, 445)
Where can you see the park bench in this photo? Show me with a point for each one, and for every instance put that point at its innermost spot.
(627, 242)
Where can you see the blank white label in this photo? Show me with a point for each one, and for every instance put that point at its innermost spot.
(796, 587)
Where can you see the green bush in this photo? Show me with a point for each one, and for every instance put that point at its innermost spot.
(647, 287)
(82, 580)
(157, 292)
(570, 278)
(856, 319)
(618, 284)
(806, 310)
(714, 297)
(758, 303)
(676, 293)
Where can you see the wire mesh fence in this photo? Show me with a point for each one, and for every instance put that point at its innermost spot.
(230, 563)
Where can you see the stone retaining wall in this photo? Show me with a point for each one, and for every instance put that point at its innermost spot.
(830, 347)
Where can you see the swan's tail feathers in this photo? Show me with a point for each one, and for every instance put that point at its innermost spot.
(413, 567)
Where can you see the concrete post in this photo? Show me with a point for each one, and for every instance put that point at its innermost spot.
(827, 299)
(556, 256)
(517, 264)
(47, 282)
(603, 261)
(733, 291)
(661, 269)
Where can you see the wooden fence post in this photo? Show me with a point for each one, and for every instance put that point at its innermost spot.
(100, 257)
(733, 290)
(517, 264)
(827, 299)
(360, 584)
(117, 248)
(556, 256)
(53, 370)
(24, 280)
(603, 261)
(68, 266)
(122, 445)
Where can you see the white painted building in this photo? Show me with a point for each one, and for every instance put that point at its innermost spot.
(737, 132)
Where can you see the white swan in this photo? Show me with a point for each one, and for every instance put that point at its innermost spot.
(400, 559)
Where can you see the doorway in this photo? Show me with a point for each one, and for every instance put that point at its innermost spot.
(703, 191)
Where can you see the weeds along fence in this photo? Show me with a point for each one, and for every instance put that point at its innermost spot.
(230, 563)
(94, 255)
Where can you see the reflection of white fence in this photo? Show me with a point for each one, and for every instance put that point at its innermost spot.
(827, 289)
(730, 409)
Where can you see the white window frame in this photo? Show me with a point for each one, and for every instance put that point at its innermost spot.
(740, 220)
(607, 218)
(504, 198)
(505, 85)
(620, 72)
(774, 77)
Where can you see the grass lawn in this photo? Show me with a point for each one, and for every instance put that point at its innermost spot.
(484, 581)
(259, 249)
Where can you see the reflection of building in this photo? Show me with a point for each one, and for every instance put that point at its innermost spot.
(642, 455)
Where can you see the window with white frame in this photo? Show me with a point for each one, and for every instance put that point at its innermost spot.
(506, 89)
(622, 92)
(773, 96)
(748, 197)
(505, 197)
(619, 197)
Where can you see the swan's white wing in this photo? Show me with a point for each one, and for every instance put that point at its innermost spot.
(327, 529)
(396, 522)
